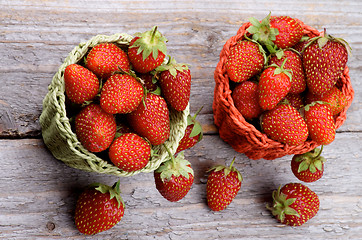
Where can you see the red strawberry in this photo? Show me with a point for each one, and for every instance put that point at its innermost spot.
(336, 99)
(223, 184)
(246, 59)
(246, 99)
(141, 48)
(308, 167)
(130, 152)
(193, 133)
(320, 122)
(294, 204)
(80, 84)
(175, 82)
(99, 208)
(95, 128)
(106, 58)
(174, 178)
(295, 100)
(324, 60)
(121, 93)
(149, 81)
(294, 64)
(274, 85)
(151, 119)
(285, 124)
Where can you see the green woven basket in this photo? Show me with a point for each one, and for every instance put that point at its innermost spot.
(62, 141)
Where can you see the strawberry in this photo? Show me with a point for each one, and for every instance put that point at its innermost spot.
(274, 85)
(130, 152)
(193, 133)
(99, 208)
(95, 128)
(336, 99)
(246, 59)
(149, 81)
(80, 84)
(174, 177)
(246, 99)
(106, 58)
(175, 82)
(294, 204)
(308, 167)
(285, 124)
(223, 184)
(121, 93)
(294, 64)
(151, 119)
(295, 100)
(320, 122)
(324, 60)
(141, 48)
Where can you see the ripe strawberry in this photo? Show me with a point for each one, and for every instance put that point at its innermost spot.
(95, 128)
(121, 93)
(274, 85)
(80, 84)
(99, 208)
(336, 99)
(141, 48)
(106, 58)
(285, 124)
(324, 60)
(308, 167)
(174, 178)
(175, 82)
(320, 122)
(294, 204)
(295, 100)
(151, 119)
(246, 59)
(246, 99)
(223, 184)
(294, 64)
(193, 133)
(130, 152)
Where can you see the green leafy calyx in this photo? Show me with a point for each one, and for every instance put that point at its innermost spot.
(227, 170)
(311, 161)
(114, 191)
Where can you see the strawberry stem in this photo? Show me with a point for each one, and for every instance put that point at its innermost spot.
(170, 155)
(319, 153)
(232, 162)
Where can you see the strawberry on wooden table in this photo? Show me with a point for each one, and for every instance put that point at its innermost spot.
(294, 204)
(223, 184)
(81, 85)
(174, 177)
(147, 50)
(309, 166)
(95, 128)
(106, 58)
(99, 208)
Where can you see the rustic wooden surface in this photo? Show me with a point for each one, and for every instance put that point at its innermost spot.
(38, 192)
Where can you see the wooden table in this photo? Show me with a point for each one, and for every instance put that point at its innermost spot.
(38, 193)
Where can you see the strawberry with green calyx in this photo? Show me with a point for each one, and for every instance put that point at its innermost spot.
(320, 122)
(95, 128)
(175, 82)
(223, 184)
(324, 60)
(130, 152)
(193, 133)
(308, 167)
(106, 58)
(246, 59)
(99, 208)
(81, 84)
(294, 204)
(285, 124)
(147, 50)
(274, 85)
(174, 177)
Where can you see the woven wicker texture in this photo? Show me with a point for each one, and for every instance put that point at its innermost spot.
(62, 141)
(242, 135)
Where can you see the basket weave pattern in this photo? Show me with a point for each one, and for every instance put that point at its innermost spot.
(62, 141)
(242, 135)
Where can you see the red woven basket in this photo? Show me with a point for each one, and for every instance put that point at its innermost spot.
(242, 135)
